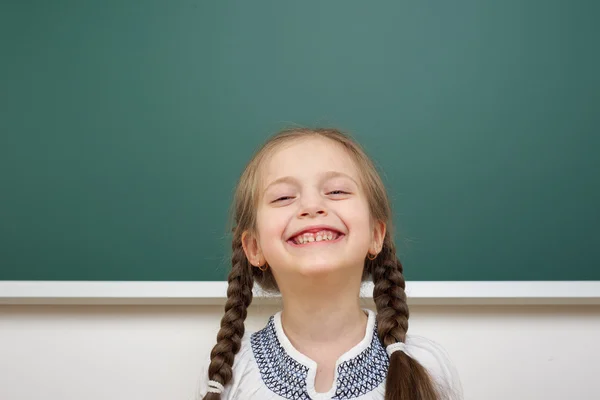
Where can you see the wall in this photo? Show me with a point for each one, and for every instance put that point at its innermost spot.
(154, 352)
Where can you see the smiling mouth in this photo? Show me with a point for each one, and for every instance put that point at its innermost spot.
(317, 238)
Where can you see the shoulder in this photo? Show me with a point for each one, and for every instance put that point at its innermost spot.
(242, 375)
(437, 362)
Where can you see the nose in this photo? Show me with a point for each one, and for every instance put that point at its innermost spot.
(312, 208)
(312, 212)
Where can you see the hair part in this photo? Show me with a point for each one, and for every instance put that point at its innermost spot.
(406, 378)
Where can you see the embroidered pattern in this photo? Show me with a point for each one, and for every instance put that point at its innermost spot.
(364, 372)
(281, 373)
(286, 377)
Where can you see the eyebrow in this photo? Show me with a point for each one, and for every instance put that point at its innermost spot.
(324, 176)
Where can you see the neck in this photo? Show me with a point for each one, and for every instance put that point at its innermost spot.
(323, 310)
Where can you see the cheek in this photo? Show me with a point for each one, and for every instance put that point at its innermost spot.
(271, 225)
(357, 214)
(358, 220)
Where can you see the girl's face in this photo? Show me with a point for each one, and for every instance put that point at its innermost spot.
(313, 216)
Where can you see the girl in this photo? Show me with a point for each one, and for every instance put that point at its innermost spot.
(312, 221)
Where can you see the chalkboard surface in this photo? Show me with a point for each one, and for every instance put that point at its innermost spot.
(125, 124)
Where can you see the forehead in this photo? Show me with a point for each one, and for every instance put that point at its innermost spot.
(306, 158)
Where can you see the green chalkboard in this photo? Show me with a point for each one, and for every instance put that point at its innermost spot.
(125, 124)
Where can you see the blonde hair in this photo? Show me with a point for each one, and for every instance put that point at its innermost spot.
(406, 379)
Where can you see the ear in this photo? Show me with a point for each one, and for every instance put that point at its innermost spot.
(252, 249)
(379, 229)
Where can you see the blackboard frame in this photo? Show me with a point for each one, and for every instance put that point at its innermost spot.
(433, 293)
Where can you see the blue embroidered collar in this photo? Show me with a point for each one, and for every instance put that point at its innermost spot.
(291, 375)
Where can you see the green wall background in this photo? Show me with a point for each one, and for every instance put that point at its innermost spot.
(125, 124)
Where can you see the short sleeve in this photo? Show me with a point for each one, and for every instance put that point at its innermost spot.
(437, 362)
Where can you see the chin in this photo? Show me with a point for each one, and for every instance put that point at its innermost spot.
(320, 267)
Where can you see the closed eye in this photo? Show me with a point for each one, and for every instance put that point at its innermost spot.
(338, 192)
(282, 199)
(333, 192)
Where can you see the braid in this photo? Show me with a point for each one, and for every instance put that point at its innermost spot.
(389, 296)
(406, 378)
(229, 338)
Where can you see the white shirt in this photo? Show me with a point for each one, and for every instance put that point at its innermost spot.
(268, 367)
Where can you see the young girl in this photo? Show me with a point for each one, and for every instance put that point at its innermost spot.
(312, 221)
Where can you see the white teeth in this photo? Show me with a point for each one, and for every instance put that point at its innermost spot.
(315, 237)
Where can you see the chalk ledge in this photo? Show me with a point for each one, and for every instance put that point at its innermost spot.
(214, 293)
